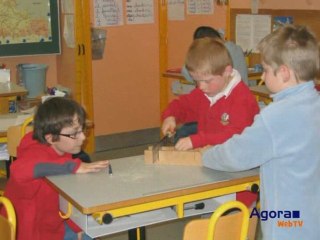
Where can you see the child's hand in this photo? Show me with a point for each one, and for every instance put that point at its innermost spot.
(184, 144)
(92, 167)
(168, 125)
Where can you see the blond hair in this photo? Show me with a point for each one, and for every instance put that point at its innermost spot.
(207, 56)
(293, 46)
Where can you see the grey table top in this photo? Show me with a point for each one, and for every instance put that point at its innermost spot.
(134, 182)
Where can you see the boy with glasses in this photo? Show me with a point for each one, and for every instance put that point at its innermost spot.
(58, 133)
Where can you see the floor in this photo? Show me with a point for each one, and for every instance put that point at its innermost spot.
(168, 231)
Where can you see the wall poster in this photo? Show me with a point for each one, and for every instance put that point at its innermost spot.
(29, 27)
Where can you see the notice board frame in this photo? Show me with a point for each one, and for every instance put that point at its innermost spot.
(41, 47)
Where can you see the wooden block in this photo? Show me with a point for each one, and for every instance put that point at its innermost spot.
(170, 156)
(148, 158)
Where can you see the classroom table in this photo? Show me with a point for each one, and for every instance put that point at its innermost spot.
(262, 93)
(138, 194)
(7, 90)
(11, 89)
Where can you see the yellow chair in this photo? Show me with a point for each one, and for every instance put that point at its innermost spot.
(15, 133)
(7, 225)
(234, 226)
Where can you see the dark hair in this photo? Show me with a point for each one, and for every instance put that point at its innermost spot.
(206, 31)
(55, 114)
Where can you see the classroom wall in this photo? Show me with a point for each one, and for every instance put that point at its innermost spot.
(180, 32)
(276, 4)
(126, 80)
(50, 60)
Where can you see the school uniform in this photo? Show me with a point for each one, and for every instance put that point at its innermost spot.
(36, 203)
(218, 118)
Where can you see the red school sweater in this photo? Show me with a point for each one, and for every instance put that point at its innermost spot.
(36, 203)
(216, 123)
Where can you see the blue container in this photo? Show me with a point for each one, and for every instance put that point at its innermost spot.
(33, 78)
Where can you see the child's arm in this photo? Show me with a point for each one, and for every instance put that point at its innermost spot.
(185, 108)
(72, 166)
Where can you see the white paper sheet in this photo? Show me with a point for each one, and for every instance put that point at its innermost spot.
(176, 10)
(200, 7)
(108, 13)
(250, 29)
(139, 11)
(68, 30)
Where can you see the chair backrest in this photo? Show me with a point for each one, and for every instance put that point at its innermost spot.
(230, 227)
(14, 135)
(7, 225)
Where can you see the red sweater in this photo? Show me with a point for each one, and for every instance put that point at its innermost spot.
(35, 202)
(240, 106)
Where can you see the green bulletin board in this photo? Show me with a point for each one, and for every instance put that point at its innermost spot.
(29, 27)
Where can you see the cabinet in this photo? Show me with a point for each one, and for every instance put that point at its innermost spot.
(75, 64)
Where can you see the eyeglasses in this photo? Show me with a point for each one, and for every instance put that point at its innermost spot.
(73, 135)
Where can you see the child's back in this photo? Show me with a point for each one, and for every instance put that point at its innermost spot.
(284, 138)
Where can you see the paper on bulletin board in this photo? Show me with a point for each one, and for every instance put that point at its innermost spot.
(176, 10)
(250, 29)
(68, 30)
(108, 13)
(139, 11)
(67, 6)
(200, 7)
(4, 75)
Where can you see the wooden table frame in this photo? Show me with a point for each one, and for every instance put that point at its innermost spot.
(262, 93)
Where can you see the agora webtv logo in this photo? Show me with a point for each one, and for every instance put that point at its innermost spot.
(286, 218)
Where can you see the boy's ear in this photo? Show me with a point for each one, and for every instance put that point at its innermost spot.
(48, 138)
(228, 70)
(285, 73)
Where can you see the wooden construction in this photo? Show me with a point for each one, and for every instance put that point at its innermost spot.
(170, 156)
